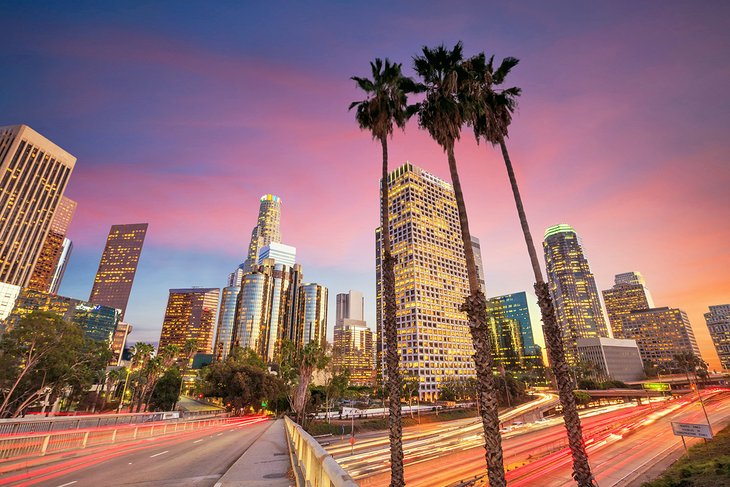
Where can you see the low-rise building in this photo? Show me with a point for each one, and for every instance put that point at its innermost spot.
(617, 359)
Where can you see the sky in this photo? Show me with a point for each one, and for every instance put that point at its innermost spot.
(182, 114)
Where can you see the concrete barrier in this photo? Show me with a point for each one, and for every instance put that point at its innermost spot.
(316, 467)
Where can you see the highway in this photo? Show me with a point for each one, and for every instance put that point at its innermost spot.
(197, 459)
(439, 456)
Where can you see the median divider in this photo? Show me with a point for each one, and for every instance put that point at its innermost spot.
(314, 466)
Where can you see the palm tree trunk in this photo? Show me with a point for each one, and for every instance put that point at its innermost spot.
(475, 307)
(554, 341)
(397, 477)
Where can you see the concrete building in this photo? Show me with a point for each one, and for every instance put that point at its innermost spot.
(660, 334)
(8, 295)
(718, 324)
(477, 249)
(34, 173)
(617, 359)
(190, 314)
(60, 270)
(573, 288)
(98, 322)
(118, 265)
(267, 229)
(431, 282)
(53, 247)
(353, 340)
(279, 253)
(628, 294)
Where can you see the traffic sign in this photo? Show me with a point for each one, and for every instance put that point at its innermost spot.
(657, 386)
(699, 430)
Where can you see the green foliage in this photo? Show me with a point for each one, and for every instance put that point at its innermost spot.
(164, 396)
(44, 355)
(708, 465)
(582, 398)
(240, 384)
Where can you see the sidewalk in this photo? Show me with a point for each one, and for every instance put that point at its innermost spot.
(265, 464)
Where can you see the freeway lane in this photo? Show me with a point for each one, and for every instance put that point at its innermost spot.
(196, 459)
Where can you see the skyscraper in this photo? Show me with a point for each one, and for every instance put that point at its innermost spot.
(280, 253)
(350, 306)
(514, 307)
(119, 342)
(267, 229)
(718, 324)
(118, 264)
(431, 282)
(353, 340)
(628, 294)
(61, 265)
(312, 316)
(53, 247)
(573, 289)
(660, 333)
(477, 248)
(506, 337)
(226, 322)
(34, 173)
(190, 314)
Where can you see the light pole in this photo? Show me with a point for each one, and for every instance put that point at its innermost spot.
(124, 391)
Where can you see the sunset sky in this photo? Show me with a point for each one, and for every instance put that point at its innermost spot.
(183, 114)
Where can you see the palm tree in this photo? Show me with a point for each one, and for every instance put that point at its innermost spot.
(188, 351)
(386, 105)
(490, 117)
(442, 113)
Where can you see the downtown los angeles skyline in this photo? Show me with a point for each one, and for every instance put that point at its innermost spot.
(185, 123)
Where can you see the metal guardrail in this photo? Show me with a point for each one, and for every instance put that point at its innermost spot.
(317, 467)
(12, 447)
(18, 426)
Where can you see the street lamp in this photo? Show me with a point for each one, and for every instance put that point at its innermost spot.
(124, 391)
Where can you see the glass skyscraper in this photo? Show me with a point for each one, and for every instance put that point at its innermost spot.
(312, 320)
(53, 247)
(573, 289)
(628, 294)
(513, 307)
(226, 322)
(430, 281)
(267, 229)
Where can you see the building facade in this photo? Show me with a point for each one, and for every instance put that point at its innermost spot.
(280, 253)
(119, 343)
(718, 324)
(98, 322)
(226, 322)
(190, 314)
(573, 289)
(514, 307)
(60, 270)
(430, 281)
(45, 268)
(353, 340)
(617, 359)
(267, 229)
(628, 294)
(34, 173)
(118, 265)
(660, 333)
(508, 347)
(312, 315)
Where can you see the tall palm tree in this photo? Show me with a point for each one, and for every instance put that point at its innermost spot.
(385, 106)
(442, 113)
(490, 116)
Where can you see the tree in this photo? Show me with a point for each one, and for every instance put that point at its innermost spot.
(442, 113)
(165, 394)
(141, 356)
(335, 387)
(490, 116)
(296, 368)
(386, 105)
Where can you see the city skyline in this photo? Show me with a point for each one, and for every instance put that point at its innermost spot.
(625, 178)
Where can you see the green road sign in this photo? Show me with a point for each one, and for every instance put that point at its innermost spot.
(657, 386)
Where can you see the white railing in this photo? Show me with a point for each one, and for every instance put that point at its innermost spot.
(317, 467)
(18, 446)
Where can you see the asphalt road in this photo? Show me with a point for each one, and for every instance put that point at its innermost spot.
(196, 459)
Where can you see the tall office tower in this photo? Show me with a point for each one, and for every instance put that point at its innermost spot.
(48, 260)
(118, 264)
(61, 265)
(353, 351)
(506, 336)
(430, 281)
(190, 314)
(119, 342)
(262, 318)
(477, 248)
(573, 289)
(280, 253)
(718, 323)
(350, 306)
(514, 307)
(98, 322)
(226, 322)
(628, 294)
(34, 173)
(660, 333)
(267, 229)
(312, 321)
(634, 277)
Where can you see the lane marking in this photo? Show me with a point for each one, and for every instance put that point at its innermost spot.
(219, 434)
(68, 483)
(158, 454)
(198, 441)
